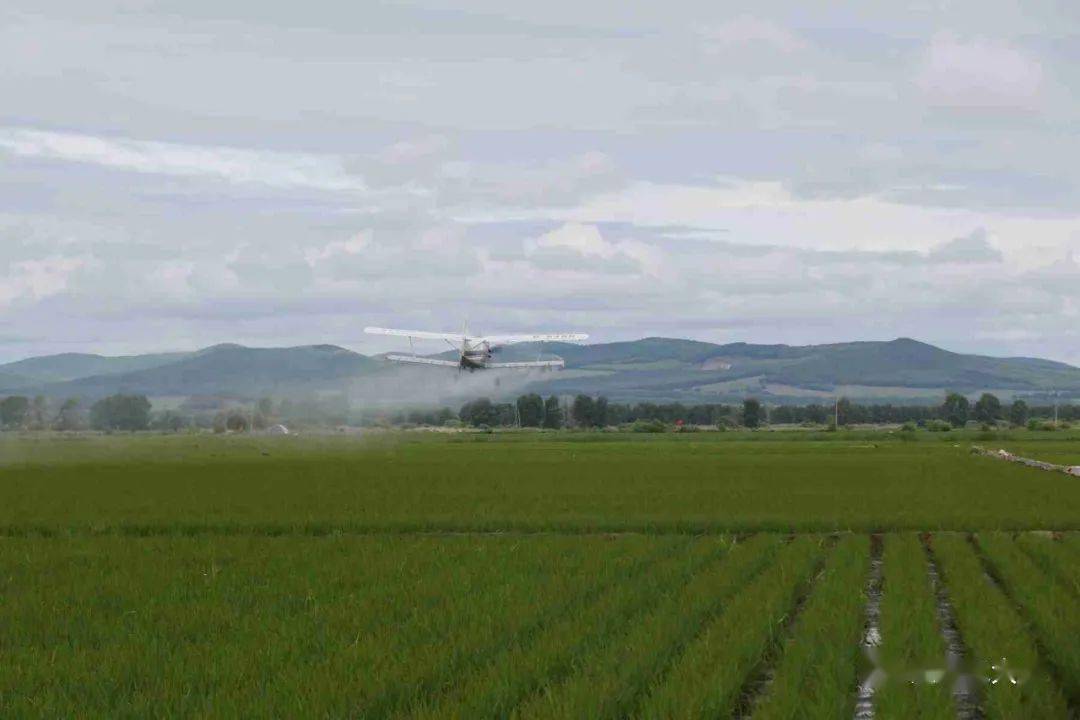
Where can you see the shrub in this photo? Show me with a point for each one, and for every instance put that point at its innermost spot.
(648, 426)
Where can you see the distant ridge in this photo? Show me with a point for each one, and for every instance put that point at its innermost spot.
(71, 366)
(650, 369)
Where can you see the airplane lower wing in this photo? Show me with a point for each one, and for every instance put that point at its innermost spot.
(536, 364)
(543, 337)
(421, 360)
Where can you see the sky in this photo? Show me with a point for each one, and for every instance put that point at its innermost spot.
(179, 174)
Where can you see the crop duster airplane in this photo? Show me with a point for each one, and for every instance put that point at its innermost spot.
(475, 352)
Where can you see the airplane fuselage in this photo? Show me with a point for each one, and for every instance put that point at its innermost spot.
(475, 356)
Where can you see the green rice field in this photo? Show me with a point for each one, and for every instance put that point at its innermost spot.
(537, 576)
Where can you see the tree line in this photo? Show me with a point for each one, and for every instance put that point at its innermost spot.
(135, 412)
(588, 411)
(117, 412)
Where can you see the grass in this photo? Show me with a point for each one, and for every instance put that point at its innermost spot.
(912, 642)
(817, 674)
(1056, 450)
(1055, 558)
(520, 670)
(193, 485)
(611, 683)
(274, 625)
(520, 575)
(1053, 610)
(996, 634)
(709, 676)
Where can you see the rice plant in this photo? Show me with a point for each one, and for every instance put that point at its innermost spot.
(817, 673)
(912, 651)
(707, 680)
(1053, 610)
(997, 637)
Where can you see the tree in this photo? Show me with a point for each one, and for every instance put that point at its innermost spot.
(553, 415)
(121, 412)
(844, 415)
(13, 411)
(600, 412)
(582, 411)
(752, 413)
(817, 414)
(1019, 413)
(479, 412)
(236, 421)
(505, 415)
(956, 409)
(69, 417)
(168, 421)
(38, 412)
(987, 408)
(530, 410)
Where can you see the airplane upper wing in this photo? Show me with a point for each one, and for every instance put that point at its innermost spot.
(421, 360)
(419, 334)
(543, 337)
(534, 364)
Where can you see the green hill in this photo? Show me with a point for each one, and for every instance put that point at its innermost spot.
(899, 370)
(229, 370)
(71, 366)
(653, 369)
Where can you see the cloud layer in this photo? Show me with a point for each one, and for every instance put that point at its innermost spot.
(182, 174)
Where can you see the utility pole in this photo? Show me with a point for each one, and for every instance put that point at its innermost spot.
(836, 413)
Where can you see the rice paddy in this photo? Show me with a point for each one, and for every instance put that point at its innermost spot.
(534, 577)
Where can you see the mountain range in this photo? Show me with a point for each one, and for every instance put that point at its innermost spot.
(651, 369)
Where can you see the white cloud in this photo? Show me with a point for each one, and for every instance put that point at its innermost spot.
(978, 73)
(589, 251)
(353, 246)
(747, 30)
(275, 169)
(39, 278)
(765, 213)
(973, 248)
(405, 152)
(675, 169)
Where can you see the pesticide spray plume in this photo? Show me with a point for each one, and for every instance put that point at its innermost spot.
(397, 387)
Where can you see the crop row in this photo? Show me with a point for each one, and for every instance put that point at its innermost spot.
(612, 682)
(912, 643)
(1054, 611)
(523, 669)
(1003, 655)
(817, 674)
(706, 681)
(281, 626)
(534, 626)
(1056, 559)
